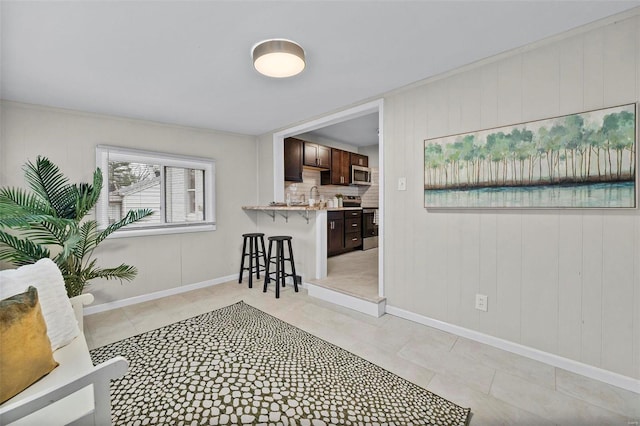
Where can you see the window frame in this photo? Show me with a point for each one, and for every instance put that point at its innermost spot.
(105, 152)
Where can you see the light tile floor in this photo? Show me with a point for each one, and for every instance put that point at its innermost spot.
(354, 273)
(500, 387)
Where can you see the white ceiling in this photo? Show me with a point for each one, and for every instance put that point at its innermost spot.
(361, 131)
(188, 62)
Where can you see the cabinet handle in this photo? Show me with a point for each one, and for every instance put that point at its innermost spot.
(354, 239)
(354, 225)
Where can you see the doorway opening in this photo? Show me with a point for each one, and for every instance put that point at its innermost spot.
(351, 272)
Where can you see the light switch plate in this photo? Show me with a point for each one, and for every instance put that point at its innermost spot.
(402, 184)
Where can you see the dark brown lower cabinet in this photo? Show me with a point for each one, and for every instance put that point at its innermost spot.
(335, 233)
(344, 231)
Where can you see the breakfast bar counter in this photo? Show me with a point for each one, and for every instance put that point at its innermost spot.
(283, 210)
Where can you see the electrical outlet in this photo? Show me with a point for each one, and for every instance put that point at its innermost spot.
(481, 302)
(402, 184)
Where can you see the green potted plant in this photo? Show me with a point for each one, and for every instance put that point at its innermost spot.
(51, 222)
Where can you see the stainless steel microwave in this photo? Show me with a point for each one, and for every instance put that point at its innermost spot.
(360, 175)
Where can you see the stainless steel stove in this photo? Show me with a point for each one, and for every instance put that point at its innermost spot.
(351, 201)
(369, 228)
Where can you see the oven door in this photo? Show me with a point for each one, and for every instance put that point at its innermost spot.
(369, 229)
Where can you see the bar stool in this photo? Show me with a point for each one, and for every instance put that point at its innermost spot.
(254, 254)
(279, 259)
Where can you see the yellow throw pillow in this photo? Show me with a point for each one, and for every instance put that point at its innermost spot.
(25, 349)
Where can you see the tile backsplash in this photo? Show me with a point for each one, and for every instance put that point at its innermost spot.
(311, 178)
(370, 194)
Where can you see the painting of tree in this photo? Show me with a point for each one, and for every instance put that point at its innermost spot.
(583, 160)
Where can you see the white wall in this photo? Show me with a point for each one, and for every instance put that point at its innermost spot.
(166, 261)
(566, 282)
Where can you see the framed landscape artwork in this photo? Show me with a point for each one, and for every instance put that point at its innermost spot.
(583, 160)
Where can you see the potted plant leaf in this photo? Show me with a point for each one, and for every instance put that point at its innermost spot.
(50, 221)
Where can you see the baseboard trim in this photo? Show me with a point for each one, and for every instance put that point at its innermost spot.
(577, 367)
(156, 295)
(341, 299)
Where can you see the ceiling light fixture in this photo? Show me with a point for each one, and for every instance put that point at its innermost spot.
(278, 58)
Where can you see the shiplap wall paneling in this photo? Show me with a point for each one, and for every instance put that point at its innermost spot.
(617, 309)
(509, 277)
(570, 284)
(510, 91)
(435, 283)
(593, 69)
(488, 273)
(571, 75)
(540, 83)
(539, 297)
(592, 252)
(548, 273)
(620, 62)
(636, 305)
(421, 265)
(412, 175)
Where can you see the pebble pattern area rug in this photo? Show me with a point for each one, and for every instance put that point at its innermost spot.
(238, 365)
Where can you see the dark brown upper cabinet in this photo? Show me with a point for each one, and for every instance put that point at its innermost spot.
(359, 160)
(317, 155)
(293, 151)
(340, 168)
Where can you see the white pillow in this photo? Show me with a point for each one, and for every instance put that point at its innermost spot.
(44, 275)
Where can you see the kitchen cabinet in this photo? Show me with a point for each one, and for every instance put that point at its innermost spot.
(293, 149)
(352, 229)
(344, 231)
(335, 233)
(359, 160)
(317, 155)
(340, 169)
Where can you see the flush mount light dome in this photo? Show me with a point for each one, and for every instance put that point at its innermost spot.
(278, 58)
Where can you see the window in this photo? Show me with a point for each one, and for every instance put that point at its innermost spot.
(180, 190)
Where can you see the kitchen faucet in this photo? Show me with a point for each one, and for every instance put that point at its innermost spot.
(311, 192)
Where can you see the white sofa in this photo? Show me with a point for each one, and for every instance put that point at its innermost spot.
(75, 392)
